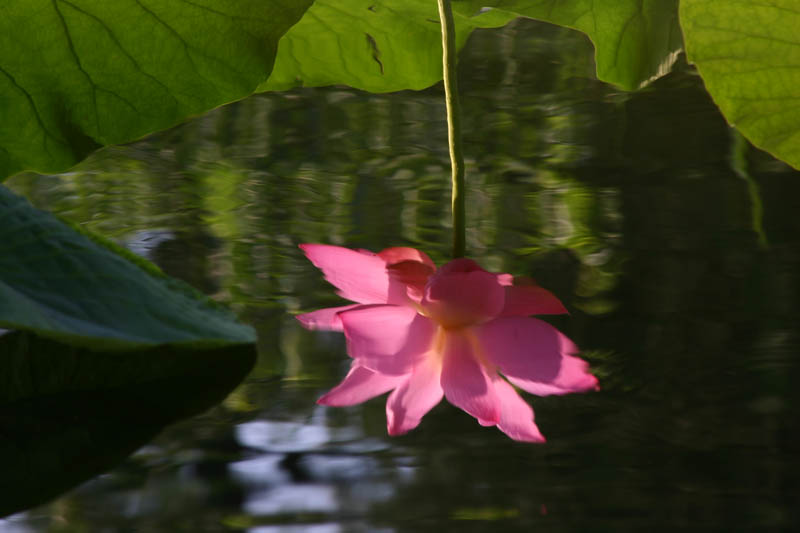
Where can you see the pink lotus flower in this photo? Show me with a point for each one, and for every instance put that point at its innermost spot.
(455, 332)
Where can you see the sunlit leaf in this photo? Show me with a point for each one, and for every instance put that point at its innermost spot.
(748, 53)
(374, 45)
(63, 285)
(77, 74)
(635, 41)
(389, 45)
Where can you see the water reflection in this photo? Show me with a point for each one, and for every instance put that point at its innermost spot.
(303, 468)
(68, 414)
(628, 206)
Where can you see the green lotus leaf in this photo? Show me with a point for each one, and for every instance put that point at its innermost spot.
(396, 44)
(62, 284)
(636, 41)
(78, 74)
(748, 54)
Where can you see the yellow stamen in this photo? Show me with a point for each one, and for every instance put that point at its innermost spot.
(478, 351)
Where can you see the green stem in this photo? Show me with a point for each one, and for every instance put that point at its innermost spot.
(739, 164)
(449, 68)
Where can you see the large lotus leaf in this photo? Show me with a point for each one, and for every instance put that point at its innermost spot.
(68, 414)
(76, 74)
(635, 41)
(373, 45)
(61, 284)
(748, 53)
(389, 45)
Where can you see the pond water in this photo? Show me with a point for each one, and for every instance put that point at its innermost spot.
(675, 245)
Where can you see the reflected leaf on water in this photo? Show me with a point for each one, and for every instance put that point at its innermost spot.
(68, 414)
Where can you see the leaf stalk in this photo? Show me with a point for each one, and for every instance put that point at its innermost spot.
(450, 72)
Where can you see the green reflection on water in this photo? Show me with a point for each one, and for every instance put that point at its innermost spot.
(627, 206)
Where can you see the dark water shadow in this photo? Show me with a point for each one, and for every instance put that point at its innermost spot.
(69, 414)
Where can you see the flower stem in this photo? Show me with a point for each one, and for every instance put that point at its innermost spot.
(449, 68)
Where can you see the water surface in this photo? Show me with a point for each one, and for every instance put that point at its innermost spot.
(675, 245)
